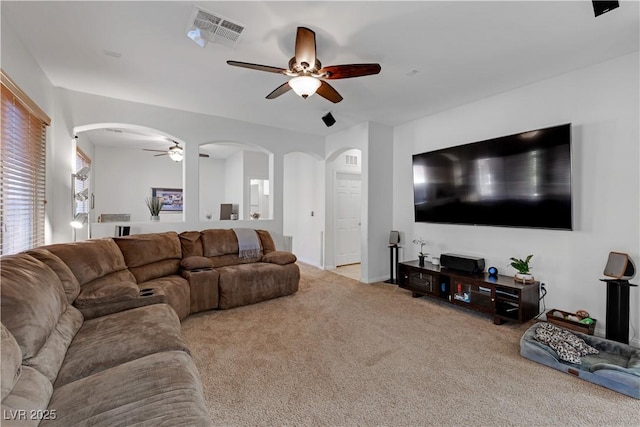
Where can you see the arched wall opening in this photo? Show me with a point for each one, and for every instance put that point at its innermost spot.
(344, 207)
(130, 163)
(235, 181)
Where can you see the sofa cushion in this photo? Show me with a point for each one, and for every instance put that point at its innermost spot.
(161, 389)
(32, 301)
(279, 257)
(267, 242)
(102, 292)
(30, 395)
(49, 358)
(108, 341)
(152, 255)
(11, 366)
(216, 242)
(191, 243)
(196, 263)
(250, 283)
(68, 279)
(91, 259)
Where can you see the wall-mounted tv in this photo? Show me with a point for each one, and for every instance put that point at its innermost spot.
(521, 180)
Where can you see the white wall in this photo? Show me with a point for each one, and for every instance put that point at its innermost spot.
(602, 104)
(304, 206)
(80, 109)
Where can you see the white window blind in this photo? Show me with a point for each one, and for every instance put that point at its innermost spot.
(22, 170)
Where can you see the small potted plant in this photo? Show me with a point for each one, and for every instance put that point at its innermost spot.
(421, 253)
(155, 205)
(523, 269)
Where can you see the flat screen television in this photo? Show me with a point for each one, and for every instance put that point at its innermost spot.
(521, 180)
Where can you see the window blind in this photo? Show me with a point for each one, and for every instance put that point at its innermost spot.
(22, 170)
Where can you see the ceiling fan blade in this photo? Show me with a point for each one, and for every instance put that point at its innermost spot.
(163, 154)
(306, 47)
(149, 149)
(351, 70)
(204, 155)
(257, 67)
(283, 88)
(327, 91)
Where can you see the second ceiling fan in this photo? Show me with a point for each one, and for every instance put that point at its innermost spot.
(307, 72)
(176, 153)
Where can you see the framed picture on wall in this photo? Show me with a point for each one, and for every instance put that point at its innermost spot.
(172, 200)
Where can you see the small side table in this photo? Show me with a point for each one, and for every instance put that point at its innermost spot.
(393, 264)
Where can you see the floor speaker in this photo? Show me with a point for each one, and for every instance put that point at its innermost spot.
(328, 119)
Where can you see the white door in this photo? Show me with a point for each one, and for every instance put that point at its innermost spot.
(348, 190)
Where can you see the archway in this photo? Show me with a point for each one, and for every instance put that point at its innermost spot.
(235, 181)
(129, 163)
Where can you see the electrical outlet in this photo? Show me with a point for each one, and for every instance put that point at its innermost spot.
(543, 286)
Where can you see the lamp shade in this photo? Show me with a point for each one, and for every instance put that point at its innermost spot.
(304, 86)
(79, 220)
(176, 153)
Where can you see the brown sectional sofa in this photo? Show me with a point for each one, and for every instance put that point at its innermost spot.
(91, 330)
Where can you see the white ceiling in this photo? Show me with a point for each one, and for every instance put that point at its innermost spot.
(434, 55)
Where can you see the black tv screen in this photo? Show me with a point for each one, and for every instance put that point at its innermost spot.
(521, 180)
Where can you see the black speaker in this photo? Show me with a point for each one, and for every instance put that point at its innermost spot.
(600, 7)
(467, 264)
(328, 119)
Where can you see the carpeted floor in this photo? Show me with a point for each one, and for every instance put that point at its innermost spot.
(343, 353)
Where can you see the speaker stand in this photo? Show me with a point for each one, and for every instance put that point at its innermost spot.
(617, 327)
(393, 265)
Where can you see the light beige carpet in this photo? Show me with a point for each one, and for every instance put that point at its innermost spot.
(343, 353)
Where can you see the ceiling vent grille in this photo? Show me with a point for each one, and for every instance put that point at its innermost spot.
(205, 27)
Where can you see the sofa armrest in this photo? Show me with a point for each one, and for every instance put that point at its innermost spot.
(203, 287)
(112, 297)
(279, 257)
(196, 263)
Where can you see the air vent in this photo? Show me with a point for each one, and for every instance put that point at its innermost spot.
(205, 26)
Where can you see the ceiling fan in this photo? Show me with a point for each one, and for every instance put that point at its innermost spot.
(307, 72)
(176, 153)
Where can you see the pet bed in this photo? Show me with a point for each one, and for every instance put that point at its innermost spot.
(615, 366)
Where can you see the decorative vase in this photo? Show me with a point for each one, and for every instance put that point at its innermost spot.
(524, 278)
(155, 218)
(421, 260)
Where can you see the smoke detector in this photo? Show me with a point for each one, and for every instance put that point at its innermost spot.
(205, 27)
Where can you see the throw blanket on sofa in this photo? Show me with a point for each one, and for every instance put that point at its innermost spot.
(248, 242)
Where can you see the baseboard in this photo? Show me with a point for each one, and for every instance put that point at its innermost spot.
(310, 262)
(378, 279)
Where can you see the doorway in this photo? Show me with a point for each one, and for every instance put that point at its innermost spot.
(348, 195)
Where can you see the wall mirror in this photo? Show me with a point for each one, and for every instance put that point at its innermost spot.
(234, 174)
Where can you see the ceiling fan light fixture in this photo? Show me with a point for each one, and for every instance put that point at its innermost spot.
(176, 153)
(304, 86)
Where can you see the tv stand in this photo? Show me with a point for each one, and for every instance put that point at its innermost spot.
(499, 296)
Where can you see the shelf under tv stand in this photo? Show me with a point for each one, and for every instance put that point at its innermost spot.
(500, 296)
